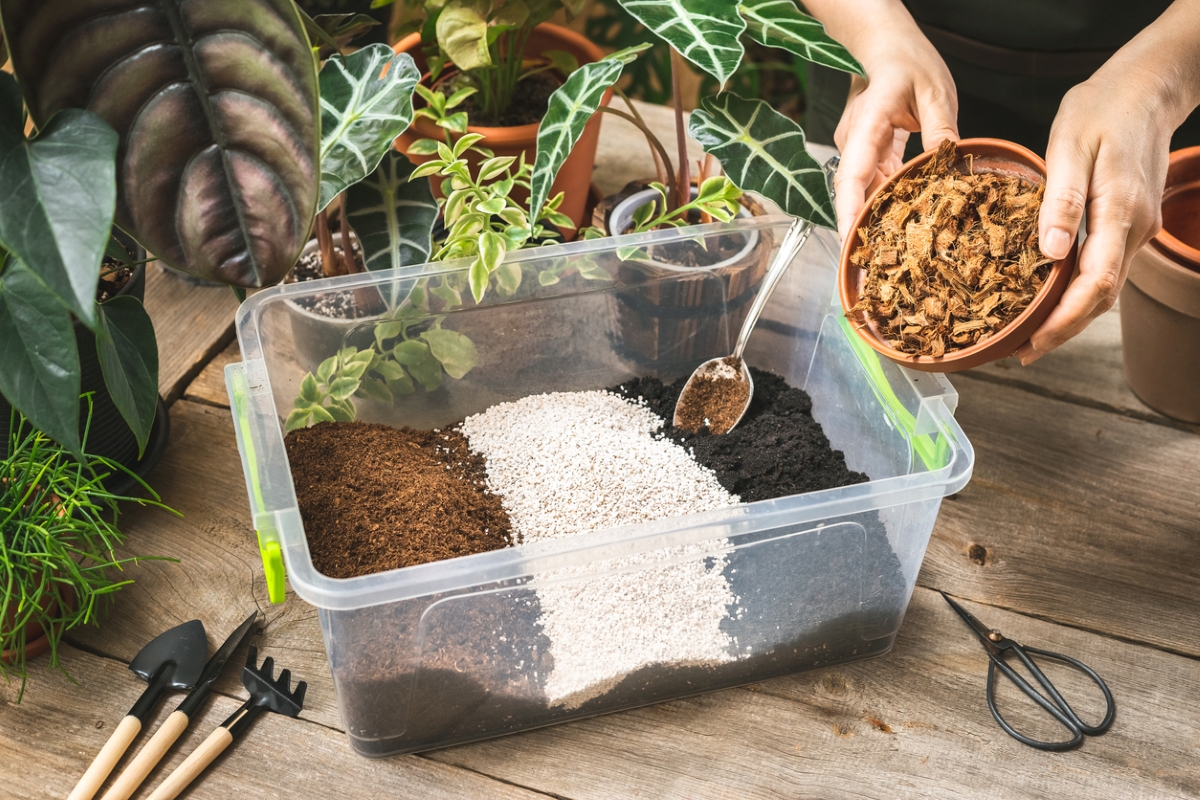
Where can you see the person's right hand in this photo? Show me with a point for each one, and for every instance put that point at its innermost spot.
(908, 89)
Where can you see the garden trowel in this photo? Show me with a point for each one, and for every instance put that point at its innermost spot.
(173, 660)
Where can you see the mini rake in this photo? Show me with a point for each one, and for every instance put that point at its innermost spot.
(266, 694)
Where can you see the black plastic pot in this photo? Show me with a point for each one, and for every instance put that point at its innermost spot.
(109, 435)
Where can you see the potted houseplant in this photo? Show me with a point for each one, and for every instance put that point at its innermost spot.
(59, 533)
(513, 59)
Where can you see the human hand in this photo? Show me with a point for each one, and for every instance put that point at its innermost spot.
(1108, 153)
(908, 89)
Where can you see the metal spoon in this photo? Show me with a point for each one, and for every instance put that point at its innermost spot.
(721, 368)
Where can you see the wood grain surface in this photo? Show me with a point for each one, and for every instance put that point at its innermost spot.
(191, 322)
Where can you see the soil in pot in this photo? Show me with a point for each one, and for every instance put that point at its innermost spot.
(465, 665)
(530, 101)
(950, 257)
(338, 305)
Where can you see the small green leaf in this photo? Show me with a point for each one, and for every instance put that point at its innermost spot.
(462, 32)
(458, 98)
(565, 63)
(308, 389)
(492, 248)
(548, 277)
(343, 387)
(428, 373)
(411, 352)
(341, 412)
(423, 147)
(466, 142)
(508, 279)
(376, 390)
(455, 123)
(594, 272)
(491, 206)
(448, 295)
(427, 169)
(401, 385)
(387, 330)
(297, 419)
(320, 414)
(325, 371)
(390, 370)
(456, 352)
(494, 167)
(479, 279)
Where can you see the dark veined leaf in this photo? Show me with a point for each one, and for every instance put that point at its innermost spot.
(39, 362)
(705, 32)
(779, 23)
(763, 151)
(215, 105)
(567, 114)
(393, 218)
(128, 355)
(366, 102)
(59, 196)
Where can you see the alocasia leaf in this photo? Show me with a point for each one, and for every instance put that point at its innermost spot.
(366, 102)
(59, 193)
(779, 23)
(39, 362)
(567, 114)
(128, 355)
(705, 32)
(763, 151)
(215, 105)
(393, 217)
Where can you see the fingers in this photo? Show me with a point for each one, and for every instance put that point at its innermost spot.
(1068, 171)
(937, 109)
(868, 144)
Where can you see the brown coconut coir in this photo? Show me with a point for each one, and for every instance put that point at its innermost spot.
(375, 498)
(951, 256)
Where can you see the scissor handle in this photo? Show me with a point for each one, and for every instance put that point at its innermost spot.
(1058, 708)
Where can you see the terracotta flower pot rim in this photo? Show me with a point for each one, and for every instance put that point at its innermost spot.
(1024, 163)
(1164, 240)
(503, 134)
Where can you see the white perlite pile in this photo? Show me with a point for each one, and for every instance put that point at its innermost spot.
(572, 462)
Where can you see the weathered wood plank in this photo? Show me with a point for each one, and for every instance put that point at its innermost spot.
(910, 724)
(48, 740)
(209, 385)
(192, 323)
(1080, 516)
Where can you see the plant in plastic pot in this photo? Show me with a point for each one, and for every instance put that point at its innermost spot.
(514, 59)
(58, 563)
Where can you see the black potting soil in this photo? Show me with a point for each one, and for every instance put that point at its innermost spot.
(459, 670)
(530, 100)
(338, 305)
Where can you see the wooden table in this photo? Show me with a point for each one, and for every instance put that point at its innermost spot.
(1080, 531)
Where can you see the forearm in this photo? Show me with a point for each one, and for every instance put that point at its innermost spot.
(1162, 63)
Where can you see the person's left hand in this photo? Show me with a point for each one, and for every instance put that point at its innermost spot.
(1107, 155)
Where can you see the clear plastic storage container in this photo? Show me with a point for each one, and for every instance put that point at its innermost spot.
(454, 651)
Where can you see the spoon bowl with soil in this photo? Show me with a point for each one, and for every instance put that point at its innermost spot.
(943, 271)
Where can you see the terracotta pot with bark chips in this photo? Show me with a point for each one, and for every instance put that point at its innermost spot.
(984, 156)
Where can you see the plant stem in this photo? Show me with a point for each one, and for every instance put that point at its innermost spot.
(330, 265)
(662, 161)
(349, 260)
(683, 186)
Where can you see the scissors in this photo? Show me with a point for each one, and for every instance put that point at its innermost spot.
(997, 645)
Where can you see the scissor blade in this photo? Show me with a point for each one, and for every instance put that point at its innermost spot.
(980, 629)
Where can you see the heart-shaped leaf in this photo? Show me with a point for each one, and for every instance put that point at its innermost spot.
(59, 196)
(779, 23)
(763, 151)
(456, 352)
(567, 114)
(393, 218)
(462, 33)
(705, 32)
(39, 362)
(215, 105)
(366, 102)
(128, 355)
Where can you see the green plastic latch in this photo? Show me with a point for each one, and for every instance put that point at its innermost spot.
(935, 453)
(268, 543)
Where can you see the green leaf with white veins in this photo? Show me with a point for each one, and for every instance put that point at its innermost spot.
(763, 151)
(705, 32)
(778, 23)
(39, 362)
(393, 218)
(363, 110)
(60, 192)
(567, 114)
(128, 355)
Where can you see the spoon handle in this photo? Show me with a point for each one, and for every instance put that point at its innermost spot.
(795, 238)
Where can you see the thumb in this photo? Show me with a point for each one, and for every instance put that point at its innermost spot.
(1067, 176)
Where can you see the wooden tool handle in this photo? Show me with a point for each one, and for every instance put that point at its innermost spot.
(150, 755)
(106, 759)
(193, 765)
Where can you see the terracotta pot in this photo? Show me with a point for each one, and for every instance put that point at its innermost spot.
(1160, 304)
(990, 155)
(576, 174)
(36, 640)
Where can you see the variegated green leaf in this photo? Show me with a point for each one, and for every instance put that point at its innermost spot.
(567, 114)
(393, 217)
(705, 32)
(462, 33)
(779, 23)
(763, 151)
(366, 102)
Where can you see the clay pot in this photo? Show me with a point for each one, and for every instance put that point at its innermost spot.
(1160, 304)
(36, 642)
(990, 155)
(576, 174)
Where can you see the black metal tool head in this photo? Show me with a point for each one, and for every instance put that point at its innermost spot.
(271, 693)
(216, 664)
(185, 646)
(992, 640)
